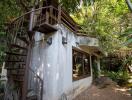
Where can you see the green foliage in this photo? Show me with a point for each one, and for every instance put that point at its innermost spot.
(106, 19)
(73, 5)
(128, 34)
(119, 72)
(95, 70)
(8, 12)
(121, 77)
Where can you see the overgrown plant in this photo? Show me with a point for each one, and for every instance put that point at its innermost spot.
(121, 77)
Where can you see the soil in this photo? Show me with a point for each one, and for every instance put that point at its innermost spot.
(107, 90)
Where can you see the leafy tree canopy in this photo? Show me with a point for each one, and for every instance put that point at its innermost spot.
(107, 19)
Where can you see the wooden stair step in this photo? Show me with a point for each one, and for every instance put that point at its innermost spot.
(10, 53)
(45, 28)
(24, 39)
(18, 80)
(19, 66)
(13, 61)
(12, 73)
(17, 46)
(18, 71)
(15, 74)
(9, 68)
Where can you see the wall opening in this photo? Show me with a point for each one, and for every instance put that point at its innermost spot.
(81, 64)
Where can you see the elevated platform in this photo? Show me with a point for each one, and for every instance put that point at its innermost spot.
(45, 28)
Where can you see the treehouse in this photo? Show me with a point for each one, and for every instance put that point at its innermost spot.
(47, 57)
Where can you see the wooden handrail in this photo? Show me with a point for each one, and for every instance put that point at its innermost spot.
(61, 15)
(30, 12)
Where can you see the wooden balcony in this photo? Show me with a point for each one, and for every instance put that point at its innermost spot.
(43, 19)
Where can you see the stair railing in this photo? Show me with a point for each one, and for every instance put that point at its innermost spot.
(20, 25)
(35, 85)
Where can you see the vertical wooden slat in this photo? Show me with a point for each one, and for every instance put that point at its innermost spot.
(31, 20)
(51, 14)
(59, 14)
(47, 17)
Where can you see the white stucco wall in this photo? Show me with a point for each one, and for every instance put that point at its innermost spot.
(53, 63)
(90, 41)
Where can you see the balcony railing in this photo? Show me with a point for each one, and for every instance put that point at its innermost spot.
(34, 19)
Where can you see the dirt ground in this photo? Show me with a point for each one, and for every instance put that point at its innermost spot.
(105, 92)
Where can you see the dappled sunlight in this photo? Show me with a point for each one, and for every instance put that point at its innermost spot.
(110, 92)
(123, 91)
(96, 94)
(48, 65)
(57, 76)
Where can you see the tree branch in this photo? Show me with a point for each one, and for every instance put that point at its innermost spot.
(129, 3)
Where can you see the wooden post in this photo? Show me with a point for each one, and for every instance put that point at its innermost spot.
(25, 83)
(59, 14)
(51, 15)
(47, 17)
(31, 23)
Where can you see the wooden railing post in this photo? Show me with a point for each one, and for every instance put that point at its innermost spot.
(47, 17)
(51, 15)
(26, 75)
(31, 23)
(59, 14)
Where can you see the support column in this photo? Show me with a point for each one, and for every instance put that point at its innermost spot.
(98, 67)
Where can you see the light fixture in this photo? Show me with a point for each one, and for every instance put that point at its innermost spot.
(49, 41)
(64, 40)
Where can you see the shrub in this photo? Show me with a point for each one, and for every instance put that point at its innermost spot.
(121, 77)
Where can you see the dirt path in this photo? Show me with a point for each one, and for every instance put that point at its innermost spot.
(109, 92)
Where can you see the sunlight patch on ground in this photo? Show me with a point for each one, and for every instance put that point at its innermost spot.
(96, 94)
(123, 90)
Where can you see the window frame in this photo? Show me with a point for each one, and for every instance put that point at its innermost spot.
(89, 65)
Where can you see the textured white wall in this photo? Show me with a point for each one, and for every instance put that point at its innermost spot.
(53, 63)
(90, 41)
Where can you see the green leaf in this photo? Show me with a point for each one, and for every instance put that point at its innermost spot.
(128, 42)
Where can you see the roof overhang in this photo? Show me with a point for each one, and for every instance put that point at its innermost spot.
(94, 50)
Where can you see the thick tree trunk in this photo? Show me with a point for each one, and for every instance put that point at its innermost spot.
(129, 3)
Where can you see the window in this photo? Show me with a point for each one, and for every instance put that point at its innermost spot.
(81, 64)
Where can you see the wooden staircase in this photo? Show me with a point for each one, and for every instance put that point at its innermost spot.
(16, 55)
(20, 39)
